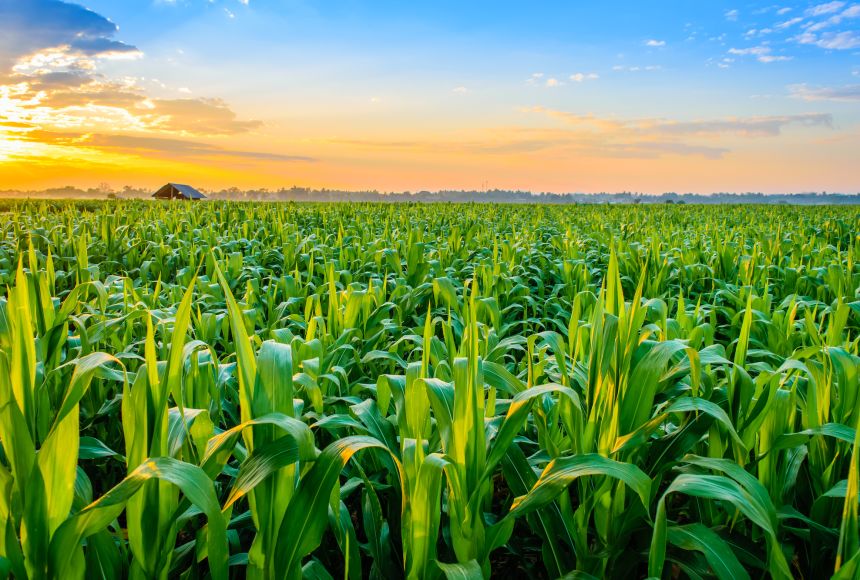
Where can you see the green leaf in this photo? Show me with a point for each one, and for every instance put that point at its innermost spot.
(561, 472)
(65, 547)
(306, 518)
(717, 552)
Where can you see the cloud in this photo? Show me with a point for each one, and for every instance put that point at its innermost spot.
(783, 11)
(761, 52)
(789, 23)
(158, 147)
(460, 90)
(764, 126)
(535, 78)
(846, 93)
(760, 126)
(636, 68)
(845, 40)
(198, 117)
(827, 8)
(834, 20)
(655, 43)
(180, 148)
(51, 83)
(642, 150)
(30, 26)
(520, 141)
(732, 15)
(552, 82)
(588, 136)
(582, 77)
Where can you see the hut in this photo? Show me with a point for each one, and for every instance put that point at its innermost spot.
(178, 191)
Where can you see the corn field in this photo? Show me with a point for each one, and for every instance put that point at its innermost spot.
(223, 390)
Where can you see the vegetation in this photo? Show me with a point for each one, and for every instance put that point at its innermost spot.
(357, 390)
(303, 194)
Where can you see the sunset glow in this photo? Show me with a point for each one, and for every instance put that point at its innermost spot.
(389, 96)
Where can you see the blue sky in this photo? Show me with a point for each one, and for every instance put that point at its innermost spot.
(361, 86)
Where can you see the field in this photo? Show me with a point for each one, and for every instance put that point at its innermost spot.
(367, 390)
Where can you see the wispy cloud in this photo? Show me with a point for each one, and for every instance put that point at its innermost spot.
(158, 147)
(788, 23)
(732, 15)
(561, 142)
(655, 43)
(845, 40)
(759, 126)
(846, 93)
(637, 68)
(582, 77)
(763, 53)
(826, 8)
(535, 79)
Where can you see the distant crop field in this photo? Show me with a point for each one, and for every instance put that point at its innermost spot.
(226, 390)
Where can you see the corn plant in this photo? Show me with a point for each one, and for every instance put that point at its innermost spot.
(376, 390)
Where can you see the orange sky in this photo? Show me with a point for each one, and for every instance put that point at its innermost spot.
(80, 104)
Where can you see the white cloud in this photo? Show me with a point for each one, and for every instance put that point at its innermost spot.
(534, 79)
(460, 90)
(789, 23)
(831, 40)
(185, 90)
(650, 67)
(732, 15)
(661, 128)
(758, 32)
(783, 11)
(847, 93)
(769, 58)
(850, 12)
(755, 50)
(552, 82)
(826, 8)
(761, 52)
(582, 77)
(655, 43)
(840, 40)
(229, 13)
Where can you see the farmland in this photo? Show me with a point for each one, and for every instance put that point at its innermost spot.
(427, 391)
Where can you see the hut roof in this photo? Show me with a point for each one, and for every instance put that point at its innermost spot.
(175, 190)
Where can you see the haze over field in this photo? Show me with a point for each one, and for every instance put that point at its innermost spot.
(390, 96)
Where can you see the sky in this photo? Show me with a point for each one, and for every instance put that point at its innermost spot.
(562, 96)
